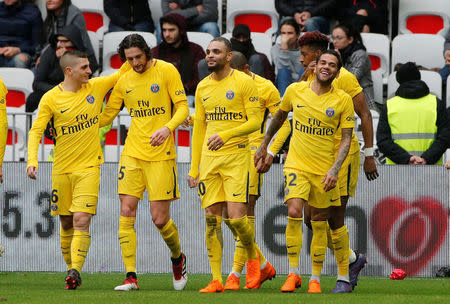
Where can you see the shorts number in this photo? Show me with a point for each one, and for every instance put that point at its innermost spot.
(121, 173)
(54, 196)
(201, 188)
(294, 177)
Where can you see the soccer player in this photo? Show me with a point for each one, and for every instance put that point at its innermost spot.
(227, 107)
(269, 98)
(73, 106)
(311, 168)
(313, 44)
(3, 125)
(149, 92)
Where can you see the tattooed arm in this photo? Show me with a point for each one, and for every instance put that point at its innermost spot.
(330, 179)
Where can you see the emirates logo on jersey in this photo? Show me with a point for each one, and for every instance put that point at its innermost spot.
(230, 95)
(330, 112)
(90, 99)
(154, 88)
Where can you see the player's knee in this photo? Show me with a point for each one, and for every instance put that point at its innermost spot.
(295, 211)
(160, 220)
(67, 225)
(82, 221)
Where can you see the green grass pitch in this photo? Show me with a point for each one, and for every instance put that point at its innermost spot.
(47, 288)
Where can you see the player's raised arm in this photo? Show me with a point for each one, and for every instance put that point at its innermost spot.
(105, 83)
(44, 115)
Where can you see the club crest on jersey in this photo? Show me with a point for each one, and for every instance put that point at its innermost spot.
(2, 100)
(154, 88)
(230, 95)
(54, 207)
(90, 99)
(330, 112)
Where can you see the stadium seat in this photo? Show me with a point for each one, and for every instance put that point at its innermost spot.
(432, 79)
(377, 79)
(377, 46)
(423, 17)
(262, 43)
(260, 16)
(111, 42)
(19, 84)
(423, 49)
(95, 17)
(95, 41)
(202, 39)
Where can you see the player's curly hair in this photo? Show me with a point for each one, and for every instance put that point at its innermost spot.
(133, 40)
(316, 40)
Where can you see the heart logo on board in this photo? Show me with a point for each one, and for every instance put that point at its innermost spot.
(409, 234)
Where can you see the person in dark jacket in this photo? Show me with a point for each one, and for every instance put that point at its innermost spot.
(366, 15)
(129, 15)
(311, 15)
(415, 91)
(20, 27)
(178, 50)
(49, 73)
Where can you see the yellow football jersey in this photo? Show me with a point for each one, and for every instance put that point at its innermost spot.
(3, 121)
(75, 119)
(350, 85)
(149, 98)
(315, 124)
(224, 105)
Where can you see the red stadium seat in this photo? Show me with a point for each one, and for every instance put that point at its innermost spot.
(111, 137)
(94, 21)
(115, 62)
(183, 138)
(376, 62)
(9, 140)
(15, 99)
(425, 24)
(259, 23)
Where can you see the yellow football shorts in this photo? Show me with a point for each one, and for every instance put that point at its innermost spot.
(348, 175)
(308, 186)
(224, 178)
(158, 177)
(75, 192)
(256, 179)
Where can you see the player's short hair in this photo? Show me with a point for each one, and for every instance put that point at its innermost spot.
(133, 40)
(225, 41)
(66, 58)
(238, 61)
(335, 54)
(293, 23)
(316, 40)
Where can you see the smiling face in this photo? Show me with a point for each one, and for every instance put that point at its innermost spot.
(327, 69)
(217, 56)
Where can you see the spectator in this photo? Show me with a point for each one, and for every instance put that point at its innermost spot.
(445, 71)
(20, 26)
(59, 14)
(178, 50)
(49, 73)
(347, 41)
(132, 15)
(242, 42)
(311, 15)
(413, 125)
(365, 15)
(201, 15)
(286, 55)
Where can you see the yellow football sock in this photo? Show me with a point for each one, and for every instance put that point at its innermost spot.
(128, 242)
(79, 248)
(294, 239)
(214, 243)
(65, 237)
(246, 235)
(240, 254)
(341, 249)
(170, 235)
(329, 238)
(262, 258)
(318, 246)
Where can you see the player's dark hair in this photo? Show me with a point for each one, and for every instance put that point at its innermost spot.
(238, 61)
(335, 54)
(133, 40)
(293, 23)
(224, 41)
(72, 53)
(316, 40)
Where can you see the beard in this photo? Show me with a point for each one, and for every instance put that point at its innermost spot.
(327, 82)
(216, 67)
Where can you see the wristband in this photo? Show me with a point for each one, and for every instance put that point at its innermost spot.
(368, 151)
